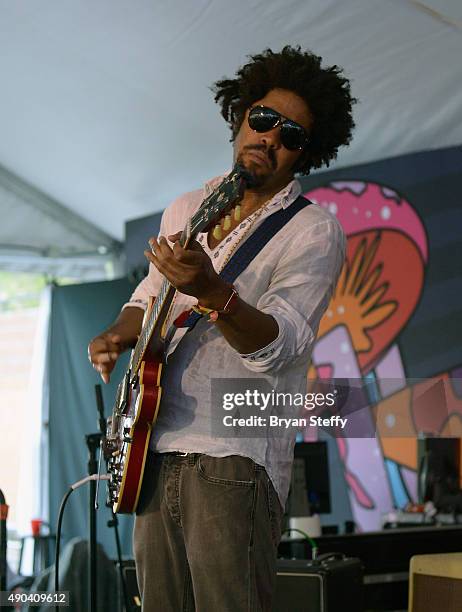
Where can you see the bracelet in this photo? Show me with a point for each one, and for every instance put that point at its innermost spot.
(228, 308)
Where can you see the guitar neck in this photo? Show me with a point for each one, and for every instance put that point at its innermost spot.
(158, 313)
(227, 192)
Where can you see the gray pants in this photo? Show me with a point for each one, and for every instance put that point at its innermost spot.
(206, 534)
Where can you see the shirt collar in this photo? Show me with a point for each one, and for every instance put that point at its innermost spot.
(285, 197)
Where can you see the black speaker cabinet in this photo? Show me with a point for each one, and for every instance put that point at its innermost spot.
(439, 473)
(131, 586)
(332, 583)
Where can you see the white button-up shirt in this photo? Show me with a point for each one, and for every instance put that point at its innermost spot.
(292, 278)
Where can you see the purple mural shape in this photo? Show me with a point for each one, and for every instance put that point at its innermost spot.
(365, 472)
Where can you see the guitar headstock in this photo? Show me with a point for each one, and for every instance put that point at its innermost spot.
(221, 199)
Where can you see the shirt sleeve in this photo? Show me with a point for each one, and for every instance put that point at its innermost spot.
(151, 283)
(299, 293)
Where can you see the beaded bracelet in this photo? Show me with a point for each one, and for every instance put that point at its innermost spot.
(228, 308)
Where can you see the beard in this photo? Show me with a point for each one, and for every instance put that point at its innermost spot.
(254, 174)
(253, 179)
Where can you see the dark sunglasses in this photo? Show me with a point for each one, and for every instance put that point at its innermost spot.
(263, 119)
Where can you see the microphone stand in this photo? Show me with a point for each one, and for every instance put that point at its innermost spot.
(114, 522)
(3, 541)
(93, 442)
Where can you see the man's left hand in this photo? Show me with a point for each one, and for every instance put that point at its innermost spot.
(189, 270)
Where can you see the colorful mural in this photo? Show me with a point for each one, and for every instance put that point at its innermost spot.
(378, 291)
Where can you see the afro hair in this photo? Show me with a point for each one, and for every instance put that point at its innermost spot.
(325, 91)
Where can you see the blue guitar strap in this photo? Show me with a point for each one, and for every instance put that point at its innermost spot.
(247, 252)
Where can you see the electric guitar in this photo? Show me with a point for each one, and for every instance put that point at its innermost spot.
(139, 393)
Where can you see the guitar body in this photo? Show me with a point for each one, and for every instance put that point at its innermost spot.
(144, 407)
(130, 431)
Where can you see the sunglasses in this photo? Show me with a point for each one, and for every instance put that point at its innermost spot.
(263, 119)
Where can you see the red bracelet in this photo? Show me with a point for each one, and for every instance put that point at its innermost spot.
(228, 308)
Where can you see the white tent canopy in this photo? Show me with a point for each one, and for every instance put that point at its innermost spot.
(51, 238)
(106, 108)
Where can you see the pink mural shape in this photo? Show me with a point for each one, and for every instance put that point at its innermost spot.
(361, 207)
(373, 301)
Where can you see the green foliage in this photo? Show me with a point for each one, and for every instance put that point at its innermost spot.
(19, 290)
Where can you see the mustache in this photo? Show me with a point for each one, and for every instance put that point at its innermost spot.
(270, 154)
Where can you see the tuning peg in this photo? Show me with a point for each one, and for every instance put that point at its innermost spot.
(227, 222)
(237, 212)
(217, 232)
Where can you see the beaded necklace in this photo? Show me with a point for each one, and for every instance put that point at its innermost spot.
(249, 221)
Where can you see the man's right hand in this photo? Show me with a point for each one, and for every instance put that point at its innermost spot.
(103, 352)
(105, 349)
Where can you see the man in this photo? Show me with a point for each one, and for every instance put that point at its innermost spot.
(209, 518)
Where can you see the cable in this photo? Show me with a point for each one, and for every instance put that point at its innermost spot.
(58, 540)
(76, 485)
(314, 546)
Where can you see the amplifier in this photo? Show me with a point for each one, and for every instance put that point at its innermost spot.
(332, 583)
(324, 585)
(435, 583)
